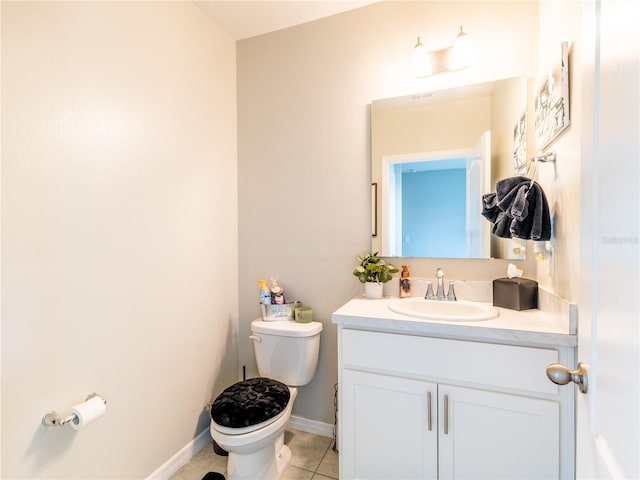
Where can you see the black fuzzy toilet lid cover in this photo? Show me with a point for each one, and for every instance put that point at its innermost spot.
(250, 402)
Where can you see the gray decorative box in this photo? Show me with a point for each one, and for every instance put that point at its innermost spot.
(515, 293)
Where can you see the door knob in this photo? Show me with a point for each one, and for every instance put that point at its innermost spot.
(561, 375)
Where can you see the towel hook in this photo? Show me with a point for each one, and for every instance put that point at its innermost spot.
(544, 158)
(547, 157)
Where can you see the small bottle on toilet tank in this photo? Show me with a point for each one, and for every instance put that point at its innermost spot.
(277, 293)
(265, 294)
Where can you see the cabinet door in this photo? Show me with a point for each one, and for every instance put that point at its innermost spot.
(497, 436)
(385, 427)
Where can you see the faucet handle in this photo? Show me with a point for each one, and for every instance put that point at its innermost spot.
(439, 273)
(429, 295)
(451, 296)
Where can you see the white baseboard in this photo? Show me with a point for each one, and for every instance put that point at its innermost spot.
(311, 426)
(181, 458)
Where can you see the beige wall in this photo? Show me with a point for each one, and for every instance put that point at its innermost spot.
(508, 104)
(124, 250)
(119, 231)
(304, 155)
(563, 21)
(453, 125)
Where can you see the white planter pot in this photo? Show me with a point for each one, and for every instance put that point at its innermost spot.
(373, 290)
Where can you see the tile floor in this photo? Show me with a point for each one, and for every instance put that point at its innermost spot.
(312, 459)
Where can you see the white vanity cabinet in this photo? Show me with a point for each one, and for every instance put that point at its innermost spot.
(496, 435)
(388, 425)
(421, 407)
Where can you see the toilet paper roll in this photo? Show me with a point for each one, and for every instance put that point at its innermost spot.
(88, 411)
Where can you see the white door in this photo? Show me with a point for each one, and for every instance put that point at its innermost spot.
(494, 435)
(390, 428)
(608, 415)
(478, 183)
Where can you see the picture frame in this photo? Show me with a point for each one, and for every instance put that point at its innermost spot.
(374, 209)
(552, 103)
(520, 144)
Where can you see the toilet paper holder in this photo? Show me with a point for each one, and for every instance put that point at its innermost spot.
(53, 419)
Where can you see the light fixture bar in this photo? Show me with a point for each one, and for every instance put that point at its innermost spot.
(425, 63)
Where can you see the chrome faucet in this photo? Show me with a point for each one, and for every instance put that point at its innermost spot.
(440, 280)
(451, 296)
(429, 294)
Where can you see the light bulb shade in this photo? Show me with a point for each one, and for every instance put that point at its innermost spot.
(462, 51)
(420, 61)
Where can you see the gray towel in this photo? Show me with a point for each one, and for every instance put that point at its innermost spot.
(501, 222)
(518, 209)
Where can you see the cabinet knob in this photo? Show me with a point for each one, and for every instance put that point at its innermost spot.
(561, 375)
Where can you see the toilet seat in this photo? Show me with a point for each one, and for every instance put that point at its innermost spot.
(249, 405)
(249, 429)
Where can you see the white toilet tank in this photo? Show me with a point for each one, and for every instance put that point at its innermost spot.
(286, 351)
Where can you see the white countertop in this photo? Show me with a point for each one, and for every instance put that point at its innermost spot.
(528, 327)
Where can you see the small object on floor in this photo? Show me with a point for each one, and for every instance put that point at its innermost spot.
(218, 450)
(213, 476)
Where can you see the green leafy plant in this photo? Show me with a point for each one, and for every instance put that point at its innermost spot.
(372, 268)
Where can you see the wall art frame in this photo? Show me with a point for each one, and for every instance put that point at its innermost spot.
(520, 144)
(552, 103)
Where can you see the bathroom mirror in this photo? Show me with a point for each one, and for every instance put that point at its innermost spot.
(434, 155)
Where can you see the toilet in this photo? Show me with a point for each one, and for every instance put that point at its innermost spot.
(248, 419)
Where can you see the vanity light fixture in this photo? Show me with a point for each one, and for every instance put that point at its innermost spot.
(462, 51)
(420, 60)
(456, 57)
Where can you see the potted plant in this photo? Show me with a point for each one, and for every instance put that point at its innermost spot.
(373, 271)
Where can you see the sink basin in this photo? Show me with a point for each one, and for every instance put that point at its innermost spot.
(460, 311)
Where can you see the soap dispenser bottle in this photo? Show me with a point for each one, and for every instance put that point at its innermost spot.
(405, 282)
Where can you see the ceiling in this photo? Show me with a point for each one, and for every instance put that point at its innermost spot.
(248, 18)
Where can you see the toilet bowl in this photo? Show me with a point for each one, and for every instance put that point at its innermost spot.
(257, 451)
(249, 418)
